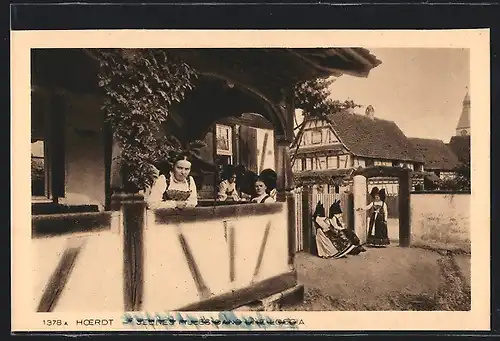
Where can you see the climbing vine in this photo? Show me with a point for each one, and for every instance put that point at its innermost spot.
(140, 87)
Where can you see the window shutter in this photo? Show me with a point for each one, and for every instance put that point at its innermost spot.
(57, 146)
(248, 145)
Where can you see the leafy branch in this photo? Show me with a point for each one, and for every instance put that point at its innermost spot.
(140, 87)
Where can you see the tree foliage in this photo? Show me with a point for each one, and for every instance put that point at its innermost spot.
(140, 87)
(461, 182)
(314, 98)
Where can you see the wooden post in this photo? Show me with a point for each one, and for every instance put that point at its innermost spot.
(307, 218)
(404, 209)
(359, 193)
(133, 214)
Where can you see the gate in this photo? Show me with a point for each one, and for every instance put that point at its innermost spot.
(305, 202)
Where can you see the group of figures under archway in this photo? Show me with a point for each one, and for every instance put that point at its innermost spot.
(334, 240)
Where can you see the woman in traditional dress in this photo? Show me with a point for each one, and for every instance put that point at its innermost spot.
(174, 188)
(265, 187)
(227, 187)
(324, 246)
(340, 244)
(377, 230)
(336, 220)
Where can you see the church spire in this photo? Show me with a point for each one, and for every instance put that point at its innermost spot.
(463, 126)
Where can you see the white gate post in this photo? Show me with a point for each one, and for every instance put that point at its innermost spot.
(359, 194)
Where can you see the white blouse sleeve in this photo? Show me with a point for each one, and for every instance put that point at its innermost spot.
(192, 201)
(222, 195)
(370, 205)
(269, 200)
(386, 213)
(155, 196)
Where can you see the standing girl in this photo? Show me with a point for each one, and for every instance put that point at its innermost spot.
(377, 230)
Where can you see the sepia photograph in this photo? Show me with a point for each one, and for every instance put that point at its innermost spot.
(251, 180)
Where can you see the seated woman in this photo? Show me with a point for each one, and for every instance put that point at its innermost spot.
(330, 243)
(174, 188)
(265, 187)
(324, 246)
(227, 187)
(336, 220)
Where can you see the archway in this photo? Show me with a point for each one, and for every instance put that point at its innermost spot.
(216, 98)
(403, 175)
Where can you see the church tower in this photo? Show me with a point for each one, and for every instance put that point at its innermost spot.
(463, 126)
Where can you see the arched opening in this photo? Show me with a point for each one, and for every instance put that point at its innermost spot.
(404, 205)
(216, 97)
(251, 122)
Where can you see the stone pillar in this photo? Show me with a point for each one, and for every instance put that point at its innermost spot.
(359, 193)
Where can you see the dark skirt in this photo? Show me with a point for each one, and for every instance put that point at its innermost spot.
(353, 238)
(340, 242)
(377, 232)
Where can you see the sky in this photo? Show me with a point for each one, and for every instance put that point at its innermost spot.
(420, 89)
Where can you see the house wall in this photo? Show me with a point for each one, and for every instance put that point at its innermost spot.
(441, 219)
(267, 160)
(447, 175)
(84, 152)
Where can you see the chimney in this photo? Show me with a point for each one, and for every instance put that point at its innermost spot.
(370, 112)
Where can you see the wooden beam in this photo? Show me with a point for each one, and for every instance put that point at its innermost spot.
(202, 288)
(59, 278)
(133, 208)
(232, 253)
(237, 298)
(291, 228)
(306, 218)
(404, 196)
(261, 251)
(197, 214)
(54, 225)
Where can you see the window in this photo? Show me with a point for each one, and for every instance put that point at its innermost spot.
(343, 159)
(224, 140)
(359, 162)
(382, 163)
(48, 165)
(316, 137)
(331, 138)
(322, 162)
(332, 162)
(39, 179)
(297, 165)
(309, 163)
(306, 138)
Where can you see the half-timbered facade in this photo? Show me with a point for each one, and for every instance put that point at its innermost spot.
(333, 147)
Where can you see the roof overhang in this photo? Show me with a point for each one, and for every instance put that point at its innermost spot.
(282, 66)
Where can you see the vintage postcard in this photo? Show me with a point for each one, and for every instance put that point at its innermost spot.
(250, 180)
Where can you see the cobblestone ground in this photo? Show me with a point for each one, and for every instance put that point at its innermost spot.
(391, 278)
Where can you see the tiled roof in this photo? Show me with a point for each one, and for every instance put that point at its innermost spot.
(460, 145)
(437, 155)
(373, 137)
